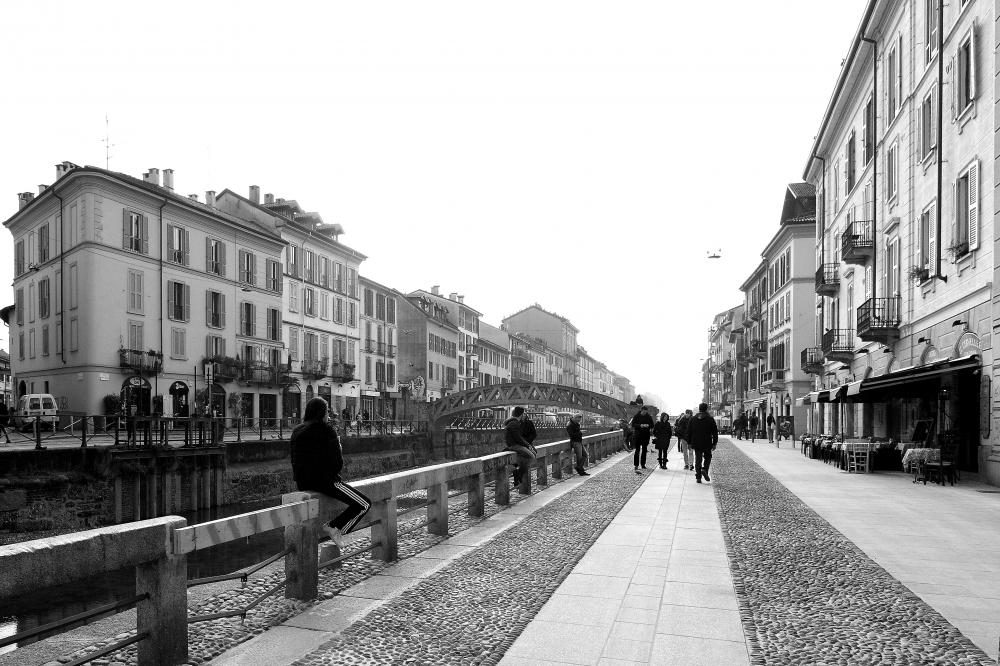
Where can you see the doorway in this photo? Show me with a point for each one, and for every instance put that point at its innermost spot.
(268, 409)
(179, 394)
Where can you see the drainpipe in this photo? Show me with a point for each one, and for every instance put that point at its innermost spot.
(62, 277)
(875, 167)
(156, 382)
(940, 138)
(818, 323)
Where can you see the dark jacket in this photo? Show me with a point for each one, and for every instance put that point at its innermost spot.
(770, 420)
(528, 431)
(574, 432)
(662, 432)
(512, 433)
(702, 431)
(4, 415)
(682, 427)
(317, 459)
(753, 422)
(642, 434)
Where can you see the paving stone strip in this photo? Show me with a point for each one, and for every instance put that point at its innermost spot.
(808, 595)
(471, 611)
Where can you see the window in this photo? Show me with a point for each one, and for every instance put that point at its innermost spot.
(273, 278)
(215, 309)
(135, 232)
(178, 245)
(894, 79)
(45, 340)
(20, 346)
(178, 301)
(43, 243)
(966, 233)
(310, 266)
(215, 256)
(352, 283)
(31, 343)
(293, 296)
(391, 379)
(274, 324)
(369, 310)
(178, 343)
(248, 268)
(430, 341)
(74, 224)
(135, 340)
(930, 29)
(352, 315)
(390, 312)
(248, 319)
(836, 188)
(59, 344)
(43, 299)
(309, 301)
(324, 272)
(293, 344)
(338, 277)
(927, 241)
(350, 353)
(850, 156)
(58, 283)
(891, 268)
(368, 369)
(20, 307)
(215, 345)
(292, 256)
(965, 91)
(892, 171)
(868, 132)
(135, 292)
(324, 305)
(310, 346)
(380, 307)
(928, 131)
(338, 310)
(74, 335)
(19, 265)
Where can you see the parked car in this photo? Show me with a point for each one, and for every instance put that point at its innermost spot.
(41, 406)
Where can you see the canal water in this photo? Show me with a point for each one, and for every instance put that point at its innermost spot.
(55, 603)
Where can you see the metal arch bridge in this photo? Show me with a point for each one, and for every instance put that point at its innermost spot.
(507, 395)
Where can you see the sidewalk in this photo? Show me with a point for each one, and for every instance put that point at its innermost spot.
(654, 589)
(941, 542)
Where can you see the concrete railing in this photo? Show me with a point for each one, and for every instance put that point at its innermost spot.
(158, 548)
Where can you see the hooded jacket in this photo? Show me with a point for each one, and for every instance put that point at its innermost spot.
(512, 433)
(317, 458)
(702, 431)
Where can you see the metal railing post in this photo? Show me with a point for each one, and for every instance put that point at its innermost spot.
(38, 434)
(83, 432)
(239, 429)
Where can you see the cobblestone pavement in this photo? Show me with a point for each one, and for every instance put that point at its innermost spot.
(808, 595)
(471, 611)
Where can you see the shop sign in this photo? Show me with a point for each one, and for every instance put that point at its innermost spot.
(178, 387)
(931, 354)
(105, 376)
(968, 343)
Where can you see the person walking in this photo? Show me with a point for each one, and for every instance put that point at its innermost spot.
(754, 423)
(643, 424)
(317, 463)
(770, 427)
(740, 425)
(682, 439)
(4, 420)
(628, 433)
(703, 436)
(513, 432)
(662, 432)
(576, 441)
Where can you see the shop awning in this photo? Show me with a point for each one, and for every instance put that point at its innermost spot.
(803, 401)
(854, 388)
(895, 384)
(819, 396)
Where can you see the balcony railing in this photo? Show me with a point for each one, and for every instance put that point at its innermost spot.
(369, 347)
(812, 360)
(758, 348)
(519, 376)
(857, 242)
(828, 279)
(878, 319)
(262, 372)
(522, 355)
(140, 361)
(754, 311)
(316, 368)
(772, 376)
(838, 344)
(342, 372)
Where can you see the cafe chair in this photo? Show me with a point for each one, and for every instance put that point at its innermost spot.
(943, 465)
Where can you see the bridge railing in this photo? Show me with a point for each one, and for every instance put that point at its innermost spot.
(158, 548)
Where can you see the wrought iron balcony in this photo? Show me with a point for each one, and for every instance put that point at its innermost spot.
(857, 243)
(315, 368)
(369, 347)
(838, 345)
(812, 360)
(342, 372)
(522, 354)
(140, 361)
(828, 279)
(519, 376)
(262, 372)
(878, 320)
(758, 348)
(772, 379)
(754, 311)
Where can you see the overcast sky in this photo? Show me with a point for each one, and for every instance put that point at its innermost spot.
(582, 155)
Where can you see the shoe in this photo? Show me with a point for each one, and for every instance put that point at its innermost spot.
(698, 479)
(644, 467)
(705, 474)
(636, 470)
(335, 535)
(583, 473)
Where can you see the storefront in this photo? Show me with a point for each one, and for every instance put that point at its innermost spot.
(136, 396)
(291, 403)
(178, 399)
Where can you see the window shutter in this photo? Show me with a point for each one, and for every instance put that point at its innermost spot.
(187, 302)
(126, 231)
(933, 127)
(972, 62)
(253, 321)
(953, 65)
(253, 269)
(145, 235)
(208, 346)
(240, 309)
(208, 307)
(932, 239)
(281, 282)
(208, 255)
(868, 281)
(240, 270)
(920, 244)
(974, 206)
(222, 298)
(170, 242)
(270, 328)
(187, 247)
(222, 259)
(170, 299)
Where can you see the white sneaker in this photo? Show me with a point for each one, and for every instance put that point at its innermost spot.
(335, 535)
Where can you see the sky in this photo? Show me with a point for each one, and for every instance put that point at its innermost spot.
(583, 155)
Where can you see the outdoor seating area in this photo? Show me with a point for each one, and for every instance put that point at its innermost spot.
(862, 455)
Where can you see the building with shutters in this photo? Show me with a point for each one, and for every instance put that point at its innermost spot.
(494, 355)
(124, 287)
(6, 382)
(319, 323)
(466, 320)
(428, 347)
(377, 366)
(556, 331)
(904, 174)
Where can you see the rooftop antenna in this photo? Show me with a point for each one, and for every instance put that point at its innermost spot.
(107, 142)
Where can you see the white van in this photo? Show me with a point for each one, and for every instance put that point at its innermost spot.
(41, 406)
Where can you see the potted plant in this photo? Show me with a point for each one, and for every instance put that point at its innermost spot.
(958, 249)
(917, 274)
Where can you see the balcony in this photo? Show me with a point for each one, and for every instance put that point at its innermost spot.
(727, 398)
(828, 279)
(140, 361)
(262, 372)
(315, 368)
(878, 320)
(522, 354)
(390, 350)
(758, 349)
(342, 372)
(472, 350)
(857, 243)
(812, 360)
(838, 345)
(773, 379)
(369, 347)
(518, 376)
(754, 312)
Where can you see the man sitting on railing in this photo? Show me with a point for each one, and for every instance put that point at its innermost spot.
(514, 437)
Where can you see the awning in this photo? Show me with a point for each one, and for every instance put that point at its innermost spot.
(803, 401)
(854, 388)
(819, 396)
(838, 393)
(895, 384)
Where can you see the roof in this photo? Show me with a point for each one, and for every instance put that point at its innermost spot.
(539, 307)
(368, 280)
(446, 300)
(802, 190)
(493, 335)
(437, 320)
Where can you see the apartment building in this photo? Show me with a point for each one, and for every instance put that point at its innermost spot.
(522, 359)
(6, 382)
(557, 332)
(751, 348)
(907, 262)
(466, 319)
(623, 388)
(603, 381)
(720, 367)
(494, 355)
(102, 257)
(377, 371)
(319, 285)
(585, 365)
(428, 346)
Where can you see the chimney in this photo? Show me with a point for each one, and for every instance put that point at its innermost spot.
(279, 200)
(436, 290)
(152, 176)
(168, 179)
(193, 197)
(23, 199)
(461, 298)
(41, 188)
(210, 198)
(268, 198)
(60, 171)
(255, 194)
(453, 296)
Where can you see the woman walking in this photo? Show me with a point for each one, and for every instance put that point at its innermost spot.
(662, 432)
(317, 461)
(642, 424)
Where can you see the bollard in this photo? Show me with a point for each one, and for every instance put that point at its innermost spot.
(477, 495)
(501, 492)
(301, 564)
(385, 531)
(163, 616)
(438, 511)
(543, 471)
